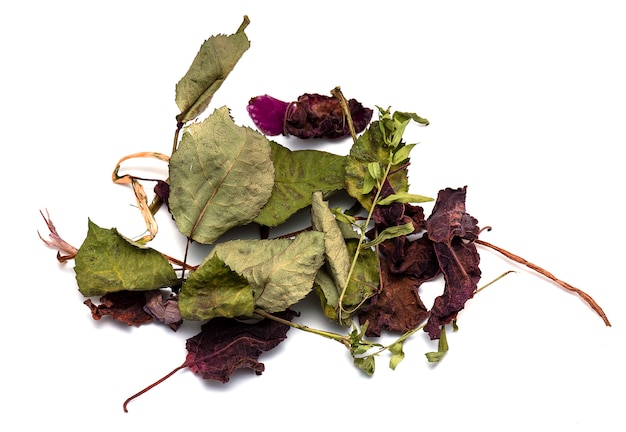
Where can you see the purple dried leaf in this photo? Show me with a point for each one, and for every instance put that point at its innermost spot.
(459, 263)
(449, 219)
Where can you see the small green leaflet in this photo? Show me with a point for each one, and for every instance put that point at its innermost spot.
(403, 197)
(221, 176)
(217, 57)
(442, 348)
(298, 174)
(108, 262)
(368, 150)
(391, 232)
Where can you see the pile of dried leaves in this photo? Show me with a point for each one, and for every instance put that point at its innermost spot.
(365, 263)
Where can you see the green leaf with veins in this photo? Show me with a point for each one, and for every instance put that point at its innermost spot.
(280, 271)
(221, 176)
(297, 175)
(108, 262)
(217, 57)
(215, 290)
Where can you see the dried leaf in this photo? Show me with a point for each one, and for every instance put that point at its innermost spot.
(225, 345)
(442, 348)
(217, 57)
(215, 290)
(449, 219)
(123, 306)
(311, 116)
(220, 177)
(163, 308)
(459, 263)
(449, 227)
(337, 256)
(280, 271)
(370, 148)
(241, 275)
(108, 262)
(364, 281)
(405, 267)
(297, 175)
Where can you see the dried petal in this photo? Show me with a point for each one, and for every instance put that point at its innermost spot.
(268, 114)
(311, 116)
(162, 309)
(65, 250)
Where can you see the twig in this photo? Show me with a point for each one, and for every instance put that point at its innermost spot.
(586, 297)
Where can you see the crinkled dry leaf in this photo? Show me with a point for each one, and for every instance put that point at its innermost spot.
(298, 174)
(123, 306)
(280, 271)
(108, 262)
(217, 57)
(215, 290)
(221, 176)
(225, 345)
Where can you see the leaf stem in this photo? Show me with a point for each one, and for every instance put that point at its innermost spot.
(336, 92)
(361, 240)
(329, 335)
(586, 297)
(494, 281)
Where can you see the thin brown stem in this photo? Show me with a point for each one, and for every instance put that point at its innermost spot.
(151, 386)
(336, 92)
(586, 297)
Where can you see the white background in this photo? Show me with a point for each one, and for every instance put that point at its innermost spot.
(527, 106)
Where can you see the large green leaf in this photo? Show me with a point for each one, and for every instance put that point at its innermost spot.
(108, 262)
(221, 176)
(217, 57)
(280, 271)
(214, 290)
(298, 174)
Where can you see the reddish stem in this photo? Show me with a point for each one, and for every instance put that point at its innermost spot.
(586, 297)
(154, 384)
